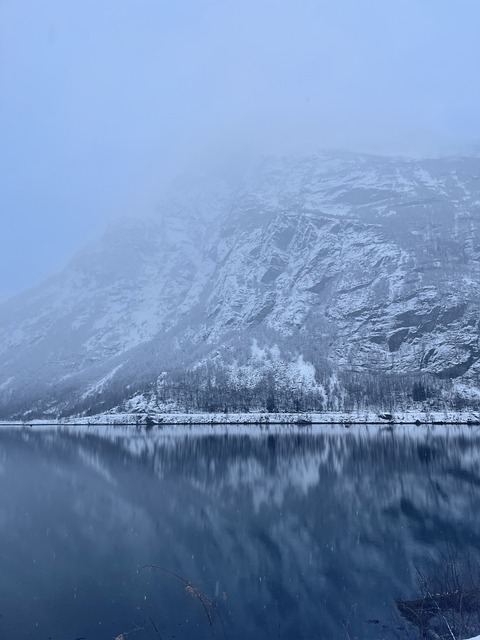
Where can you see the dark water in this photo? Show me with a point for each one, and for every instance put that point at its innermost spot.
(300, 534)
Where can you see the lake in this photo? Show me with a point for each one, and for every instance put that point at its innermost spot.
(256, 533)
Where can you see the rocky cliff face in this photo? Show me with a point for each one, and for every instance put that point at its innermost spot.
(325, 277)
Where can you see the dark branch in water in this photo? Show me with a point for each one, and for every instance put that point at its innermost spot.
(448, 605)
(206, 602)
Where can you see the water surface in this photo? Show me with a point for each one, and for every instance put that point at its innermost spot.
(282, 533)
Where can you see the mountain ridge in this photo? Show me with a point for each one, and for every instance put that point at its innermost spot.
(311, 283)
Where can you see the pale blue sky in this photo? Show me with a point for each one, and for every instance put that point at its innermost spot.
(102, 101)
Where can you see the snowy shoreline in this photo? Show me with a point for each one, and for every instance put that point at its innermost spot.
(343, 418)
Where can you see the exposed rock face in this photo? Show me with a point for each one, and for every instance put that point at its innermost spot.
(302, 269)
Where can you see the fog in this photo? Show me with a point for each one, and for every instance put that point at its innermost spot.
(102, 103)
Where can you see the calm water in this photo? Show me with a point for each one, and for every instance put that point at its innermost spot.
(297, 534)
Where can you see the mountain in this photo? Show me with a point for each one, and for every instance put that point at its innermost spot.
(333, 281)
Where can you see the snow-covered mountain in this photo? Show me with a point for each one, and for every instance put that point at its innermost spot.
(326, 281)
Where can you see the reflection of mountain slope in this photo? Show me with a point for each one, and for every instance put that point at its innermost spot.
(296, 529)
(302, 269)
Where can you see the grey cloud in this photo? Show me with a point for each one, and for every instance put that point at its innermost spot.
(103, 102)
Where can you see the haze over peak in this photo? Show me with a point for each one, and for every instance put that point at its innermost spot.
(102, 105)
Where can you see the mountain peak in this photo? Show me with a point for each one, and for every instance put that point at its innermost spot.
(363, 269)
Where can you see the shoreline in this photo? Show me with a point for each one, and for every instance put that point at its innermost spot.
(346, 419)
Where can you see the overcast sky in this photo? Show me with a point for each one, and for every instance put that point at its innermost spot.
(102, 101)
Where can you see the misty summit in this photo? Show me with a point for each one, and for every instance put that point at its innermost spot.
(318, 283)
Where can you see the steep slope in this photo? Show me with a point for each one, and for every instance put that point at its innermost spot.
(302, 275)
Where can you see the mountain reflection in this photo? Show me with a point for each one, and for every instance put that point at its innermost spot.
(292, 533)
